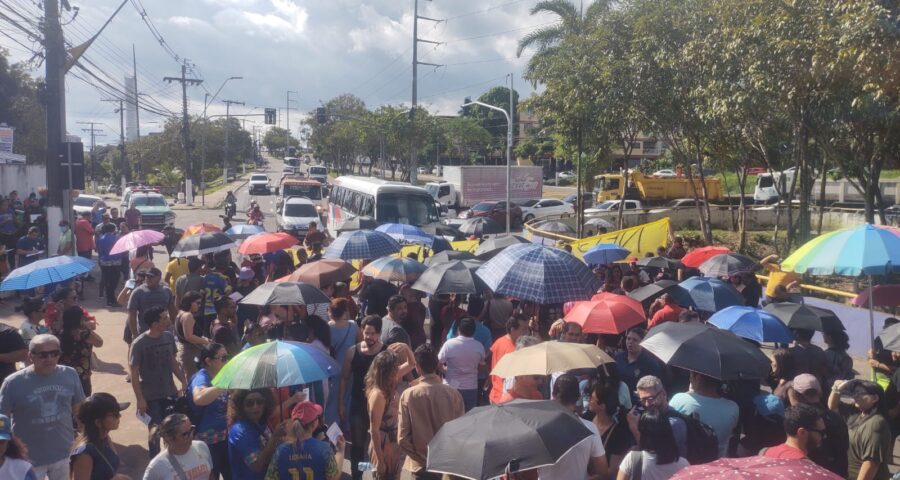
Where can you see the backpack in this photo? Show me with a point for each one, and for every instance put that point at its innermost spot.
(702, 441)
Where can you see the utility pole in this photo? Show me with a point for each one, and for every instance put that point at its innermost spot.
(94, 133)
(228, 104)
(185, 129)
(137, 115)
(124, 172)
(413, 160)
(287, 111)
(58, 201)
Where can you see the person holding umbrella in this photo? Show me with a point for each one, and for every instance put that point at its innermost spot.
(634, 362)
(210, 405)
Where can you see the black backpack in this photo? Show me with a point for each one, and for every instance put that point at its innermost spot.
(702, 441)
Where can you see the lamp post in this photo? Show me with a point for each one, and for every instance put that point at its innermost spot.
(509, 142)
(207, 99)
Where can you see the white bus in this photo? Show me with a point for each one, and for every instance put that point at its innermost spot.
(386, 202)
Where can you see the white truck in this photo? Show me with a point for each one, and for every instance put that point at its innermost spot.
(464, 186)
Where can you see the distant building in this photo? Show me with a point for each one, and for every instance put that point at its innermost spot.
(644, 149)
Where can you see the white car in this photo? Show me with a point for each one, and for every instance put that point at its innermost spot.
(85, 203)
(665, 173)
(565, 175)
(613, 206)
(318, 172)
(259, 182)
(532, 209)
(422, 170)
(297, 214)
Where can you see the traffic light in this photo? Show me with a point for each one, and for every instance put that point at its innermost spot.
(270, 116)
(321, 116)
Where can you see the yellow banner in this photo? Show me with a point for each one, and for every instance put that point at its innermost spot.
(638, 240)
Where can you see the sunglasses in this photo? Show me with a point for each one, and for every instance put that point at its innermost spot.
(46, 354)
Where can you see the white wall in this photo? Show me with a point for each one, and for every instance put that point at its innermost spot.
(22, 178)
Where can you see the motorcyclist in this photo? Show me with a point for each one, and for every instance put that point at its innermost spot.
(255, 215)
(230, 204)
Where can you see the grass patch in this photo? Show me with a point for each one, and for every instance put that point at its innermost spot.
(730, 184)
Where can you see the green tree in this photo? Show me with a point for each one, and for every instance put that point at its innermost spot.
(20, 107)
(276, 138)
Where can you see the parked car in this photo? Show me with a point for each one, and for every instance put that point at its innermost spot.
(296, 216)
(532, 209)
(85, 203)
(613, 205)
(259, 182)
(494, 210)
(422, 170)
(567, 175)
(155, 211)
(665, 173)
(587, 198)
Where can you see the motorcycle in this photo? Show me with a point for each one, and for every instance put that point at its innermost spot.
(230, 209)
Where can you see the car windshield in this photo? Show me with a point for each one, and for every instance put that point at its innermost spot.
(85, 202)
(605, 205)
(415, 210)
(317, 171)
(149, 201)
(299, 210)
(529, 203)
(482, 207)
(312, 192)
(259, 177)
(432, 189)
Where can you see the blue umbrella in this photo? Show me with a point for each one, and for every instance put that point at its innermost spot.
(45, 272)
(362, 245)
(276, 364)
(243, 231)
(404, 233)
(605, 253)
(538, 274)
(440, 244)
(708, 294)
(753, 324)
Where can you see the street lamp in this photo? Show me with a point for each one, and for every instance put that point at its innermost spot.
(206, 101)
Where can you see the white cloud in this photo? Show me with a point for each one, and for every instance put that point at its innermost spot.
(189, 22)
(380, 32)
(284, 21)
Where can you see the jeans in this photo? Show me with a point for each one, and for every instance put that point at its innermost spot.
(110, 280)
(359, 437)
(53, 471)
(470, 398)
(221, 467)
(157, 410)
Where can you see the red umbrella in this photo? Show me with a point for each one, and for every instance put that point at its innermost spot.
(607, 313)
(882, 296)
(755, 468)
(697, 256)
(267, 242)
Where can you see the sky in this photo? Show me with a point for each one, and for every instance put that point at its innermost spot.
(317, 48)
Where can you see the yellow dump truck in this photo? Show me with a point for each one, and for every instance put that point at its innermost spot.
(652, 189)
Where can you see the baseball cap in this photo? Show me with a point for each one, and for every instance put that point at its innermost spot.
(246, 273)
(154, 272)
(805, 382)
(100, 405)
(5, 428)
(306, 412)
(767, 405)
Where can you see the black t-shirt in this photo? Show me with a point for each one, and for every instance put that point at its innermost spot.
(376, 295)
(618, 440)
(10, 341)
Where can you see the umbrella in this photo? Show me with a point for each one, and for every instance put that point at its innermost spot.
(362, 222)
(605, 253)
(455, 276)
(659, 262)
(446, 256)
(404, 233)
(136, 239)
(697, 256)
(493, 246)
(599, 223)
(440, 244)
(652, 291)
(807, 317)
(285, 293)
(267, 242)
(320, 273)
(706, 350)
(538, 274)
(480, 226)
(882, 296)
(755, 468)
(890, 338)
(708, 294)
(553, 226)
(244, 230)
(44, 272)
(394, 269)
(362, 245)
(276, 364)
(728, 264)
(519, 435)
(864, 249)
(200, 228)
(753, 324)
(550, 357)
(201, 244)
(607, 313)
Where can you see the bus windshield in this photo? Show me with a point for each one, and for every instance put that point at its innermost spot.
(312, 192)
(415, 210)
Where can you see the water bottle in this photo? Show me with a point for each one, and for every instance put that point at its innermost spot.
(366, 467)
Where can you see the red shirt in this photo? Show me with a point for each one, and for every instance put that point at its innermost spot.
(668, 313)
(784, 451)
(84, 236)
(501, 347)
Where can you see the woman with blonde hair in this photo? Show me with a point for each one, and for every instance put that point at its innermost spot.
(382, 395)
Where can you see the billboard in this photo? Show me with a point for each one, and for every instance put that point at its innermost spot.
(489, 183)
(6, 139)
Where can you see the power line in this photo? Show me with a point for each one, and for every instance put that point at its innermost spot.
(484, 10)
(486, 35)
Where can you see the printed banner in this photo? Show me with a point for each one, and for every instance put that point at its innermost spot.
(638, 240)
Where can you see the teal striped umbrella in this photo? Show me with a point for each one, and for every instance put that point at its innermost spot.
(276, 364)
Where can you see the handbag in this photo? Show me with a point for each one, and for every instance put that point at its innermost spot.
(177, 466)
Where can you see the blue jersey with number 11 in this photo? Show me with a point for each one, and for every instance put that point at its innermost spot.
(309, 459)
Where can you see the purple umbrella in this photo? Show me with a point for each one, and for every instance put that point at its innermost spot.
(138, 238)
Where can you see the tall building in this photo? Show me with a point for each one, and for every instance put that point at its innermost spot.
(131, 111)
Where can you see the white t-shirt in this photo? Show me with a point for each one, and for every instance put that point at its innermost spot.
(462, 355)
(649, 469)
(196, 463)
(573, 465)
(16, 469)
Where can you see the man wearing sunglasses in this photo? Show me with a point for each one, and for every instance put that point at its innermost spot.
(41, 400)
(805, 431)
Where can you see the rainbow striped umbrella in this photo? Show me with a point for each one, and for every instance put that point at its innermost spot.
(276, 364)
(395, 269)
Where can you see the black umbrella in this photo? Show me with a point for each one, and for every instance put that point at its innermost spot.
(446, 256)
(512, 437)
(807, 317)
(648, 293)
(285, 293)
(495, 245)
(728, 264)
(658, 262)
(361, 222)
(197, 245)
(706, 350)
(441, 230)
(455, 276)
(890, 338)
(480, 226)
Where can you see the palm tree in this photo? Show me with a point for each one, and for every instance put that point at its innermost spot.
(572, 21)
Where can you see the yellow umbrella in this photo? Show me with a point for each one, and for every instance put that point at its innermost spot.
(550, 357)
